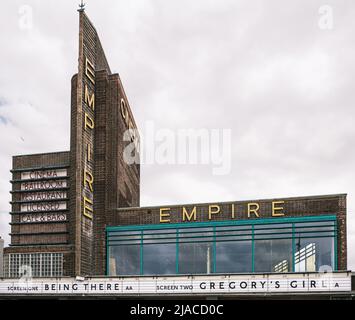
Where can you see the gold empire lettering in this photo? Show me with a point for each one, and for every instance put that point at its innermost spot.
(213, 209)
(164, 215)
(250, 210)
(187, 216)
(88, 207)
(89, 122)
(89, 125)
(90, 70)
(253, 208)
(88, 152)
(88, 180)
(89, 99)
(277, 211)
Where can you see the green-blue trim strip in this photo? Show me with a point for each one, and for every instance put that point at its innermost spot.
(336, 246)
(293, 248)
(214, 251)
(141, 254)
(107, 255)
(177, 252)
(252, 250)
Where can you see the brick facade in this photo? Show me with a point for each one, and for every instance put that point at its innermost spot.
(116, 183)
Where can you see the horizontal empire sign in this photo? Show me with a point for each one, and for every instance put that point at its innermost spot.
(205, 285)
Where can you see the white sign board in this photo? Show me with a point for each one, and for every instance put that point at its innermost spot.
(43, 200)
(44, 174)
(205, 285)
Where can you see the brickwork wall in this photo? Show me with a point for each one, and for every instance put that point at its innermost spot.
(116, 182)
(50, 231)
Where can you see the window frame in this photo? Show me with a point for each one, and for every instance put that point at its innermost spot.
(276, 226)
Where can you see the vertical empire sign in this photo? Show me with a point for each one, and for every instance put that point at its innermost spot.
(89, 124)
(91, 58)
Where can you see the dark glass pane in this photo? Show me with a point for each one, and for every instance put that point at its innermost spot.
(195, 234)
(234, 228)
(273, 255)
(314, 229)
(124, 260)
(233, 257)
(124, 237)
(159, 233)
(163, 236)
(272, 226)
(233, 233)
(195, 258)
(308, 234)
(159, 259)
(314, 254)
(314, 223)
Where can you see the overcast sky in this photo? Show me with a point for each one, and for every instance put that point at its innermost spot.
(267, 70)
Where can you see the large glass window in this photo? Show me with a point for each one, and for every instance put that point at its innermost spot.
(259, 245)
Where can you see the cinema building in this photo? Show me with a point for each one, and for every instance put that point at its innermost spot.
(77, 212)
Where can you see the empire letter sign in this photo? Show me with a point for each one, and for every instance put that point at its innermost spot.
(175, 285)
(89, 125)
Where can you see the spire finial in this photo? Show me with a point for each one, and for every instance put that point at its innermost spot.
(81, 6)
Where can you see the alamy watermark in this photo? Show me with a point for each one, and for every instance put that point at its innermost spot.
(326, 19)
(25, 13)
(165, 146)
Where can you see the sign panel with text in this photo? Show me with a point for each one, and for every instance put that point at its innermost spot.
(201, 285)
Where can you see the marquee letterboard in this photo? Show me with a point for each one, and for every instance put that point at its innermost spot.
(44, 197)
